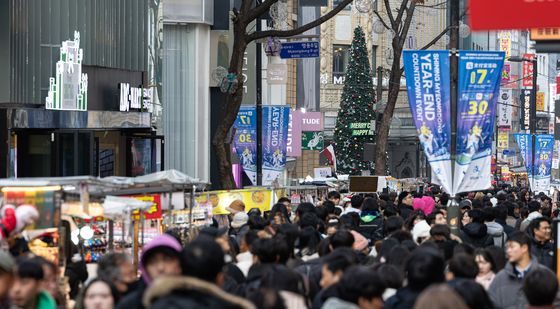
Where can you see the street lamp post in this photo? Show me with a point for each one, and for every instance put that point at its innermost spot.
(532, 111)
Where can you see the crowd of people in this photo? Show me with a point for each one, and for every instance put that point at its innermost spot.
(348, 251)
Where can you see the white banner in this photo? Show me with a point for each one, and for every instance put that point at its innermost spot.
(505, 108)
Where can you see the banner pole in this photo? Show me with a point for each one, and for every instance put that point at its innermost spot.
(453, 212)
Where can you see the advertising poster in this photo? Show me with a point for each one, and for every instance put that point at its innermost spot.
(245, 139)
(153, 212)
(477, 95)
(42, 200)
(524, 143)
(544, 146)
(505, 108)
(428, 88)
(274, 139)
(260, 198)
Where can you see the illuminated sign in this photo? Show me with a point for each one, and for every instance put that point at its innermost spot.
(68, 90)
(135, 98)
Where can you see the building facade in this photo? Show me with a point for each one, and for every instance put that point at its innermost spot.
(104, 138)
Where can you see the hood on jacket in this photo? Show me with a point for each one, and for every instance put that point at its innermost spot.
(337, 303)
(161, 241)
(495, 229)
(167, 285)
(475, 230)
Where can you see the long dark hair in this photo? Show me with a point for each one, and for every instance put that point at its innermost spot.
(488, 257)
(80, 302)
(279, 209)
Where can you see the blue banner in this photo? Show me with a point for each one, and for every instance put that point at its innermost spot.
(275, 135)
(524, 143)
(245, 140)
(544, 146)
(428, 86)
(478, 90)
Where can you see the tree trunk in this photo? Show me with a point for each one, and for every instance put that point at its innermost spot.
(385, 126)
(221, 144)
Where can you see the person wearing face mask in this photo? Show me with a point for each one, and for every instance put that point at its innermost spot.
(160, 257)
(118, 269)
(98, 294)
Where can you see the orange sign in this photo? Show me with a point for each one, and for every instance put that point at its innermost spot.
(545, 34)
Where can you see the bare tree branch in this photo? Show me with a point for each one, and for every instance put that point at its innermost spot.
(407, 22)
(390, 14)
(259, 10)
(381, 19)
(287, 33)
(402, 9)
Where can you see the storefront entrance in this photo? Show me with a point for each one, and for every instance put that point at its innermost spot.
(51, 153)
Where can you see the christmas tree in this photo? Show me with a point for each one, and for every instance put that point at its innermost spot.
(353, 124)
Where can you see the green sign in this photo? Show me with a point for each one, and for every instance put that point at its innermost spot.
(312, 141)
(361, 129)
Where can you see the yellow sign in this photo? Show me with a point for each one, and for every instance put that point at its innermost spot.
(260, 198)
(503, 139)
(505, 43)
(545, 34)
(540, 101)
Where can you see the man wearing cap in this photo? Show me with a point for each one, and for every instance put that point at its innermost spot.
(7, 264)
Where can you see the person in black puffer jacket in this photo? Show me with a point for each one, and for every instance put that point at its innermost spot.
(203, 263)
(476, 232)
(371, 221)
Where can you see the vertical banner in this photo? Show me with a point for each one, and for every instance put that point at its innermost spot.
(505, 43)
(245, 140)
(505, 109)
(528, 71)
(557, 120)
(477, 94)
(540, 101)
(506, 74)
(524, 143)
(293, 144)
(274, 138)
(428, 87)
(544, 146)
(526, 110)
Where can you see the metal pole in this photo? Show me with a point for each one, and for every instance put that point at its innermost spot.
(453, 213)
(259, 105)
(533, 123)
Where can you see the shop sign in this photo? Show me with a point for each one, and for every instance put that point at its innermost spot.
(540, 101)
(503, 139)
(526, 111)
(312, 141)
(545, 34)
(361, 129)
(133, 98)
(68, 90)
(311, 121)
(505, 43)
(322, 172)
(505, 108)
(277, 74)
(528, 70)
(151, 213)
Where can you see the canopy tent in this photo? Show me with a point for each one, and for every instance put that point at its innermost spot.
(115, 206)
